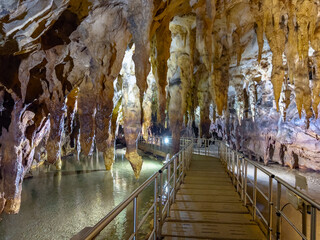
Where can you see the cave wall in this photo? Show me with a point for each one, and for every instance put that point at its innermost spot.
(74, 71)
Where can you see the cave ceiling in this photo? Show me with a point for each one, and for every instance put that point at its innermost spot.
(73, 71)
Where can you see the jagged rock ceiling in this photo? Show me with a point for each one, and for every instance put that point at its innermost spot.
(73, 71)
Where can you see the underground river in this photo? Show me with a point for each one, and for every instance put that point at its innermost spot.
(59, 204)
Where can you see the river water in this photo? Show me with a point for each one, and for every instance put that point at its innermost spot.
(59, 204)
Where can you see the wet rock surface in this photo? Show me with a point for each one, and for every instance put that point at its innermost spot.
(75, 72)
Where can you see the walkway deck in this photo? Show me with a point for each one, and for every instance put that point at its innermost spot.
(208, 207)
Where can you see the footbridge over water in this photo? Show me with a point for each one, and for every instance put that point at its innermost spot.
(209, 191)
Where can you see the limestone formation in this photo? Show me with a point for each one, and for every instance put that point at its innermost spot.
(73, 72)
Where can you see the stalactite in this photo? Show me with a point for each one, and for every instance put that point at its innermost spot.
(175, 113)
(220, 81)
(316, 80)
(205, 11)
(72, 100)
(54, 99)
(131, 112)
(275, 33)
(102, 119)
(147, 106)
(140, 19)
(17, 153)
(87, 111)
(159, 57)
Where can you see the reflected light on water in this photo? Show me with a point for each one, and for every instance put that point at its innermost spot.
(75, 198)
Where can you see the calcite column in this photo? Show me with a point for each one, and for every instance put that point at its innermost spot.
(17, 153)
(175, 110)
(109, 30)
(54, 99)
(159, 56)
(86, 112)
(204, 99)
(131, 112)
(102, 120)
(147, 106)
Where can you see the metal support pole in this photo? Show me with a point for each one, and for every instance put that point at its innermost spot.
(304, 219)
(238, 172)
(169, 190)
(135, 218)
(270, 204)
(255, 194)
(233, 167)
(160, 204)
(278, 210)
(174, 178)
(242, 179)
(245, 182)
(313, 229)
(155, 222)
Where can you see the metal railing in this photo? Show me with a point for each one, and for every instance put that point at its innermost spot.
(166, 182)
(168, 179)
(237, 166)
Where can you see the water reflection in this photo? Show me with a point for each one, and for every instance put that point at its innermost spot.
(57, 205)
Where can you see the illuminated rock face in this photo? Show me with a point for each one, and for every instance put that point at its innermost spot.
(248, 70)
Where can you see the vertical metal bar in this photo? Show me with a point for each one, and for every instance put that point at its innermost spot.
(255, 194)
(304, 219)
(313, 228)
(160, 204)
(242, 179)
(155, 196)
(174, 178)
(278, 210)
(238, 172)
(270, 204)
(245, 181)
(169, 190)
(233, 167)
(135, 218)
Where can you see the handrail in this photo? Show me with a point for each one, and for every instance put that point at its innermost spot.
(237, 166)
(178, 170)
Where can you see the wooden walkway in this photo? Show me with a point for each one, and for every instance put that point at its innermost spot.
(208, 207)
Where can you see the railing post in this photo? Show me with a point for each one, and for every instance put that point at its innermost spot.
(160, 204)
(169, 190)
(270, 204)
(135, 218)
(313, 232)
(242, 180)
(255, 194)
(155, 222)
(245, 181)
(278, 210)
(174, 178)
(233, 167)
(238, 172)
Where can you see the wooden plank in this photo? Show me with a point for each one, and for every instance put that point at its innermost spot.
(211, 231)
(207, 198)
(207, 173)
(219, 186)
(209, 207)
(220, 192)
(196, 158)
(183, 238)
(214, 181)
(213, 217)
